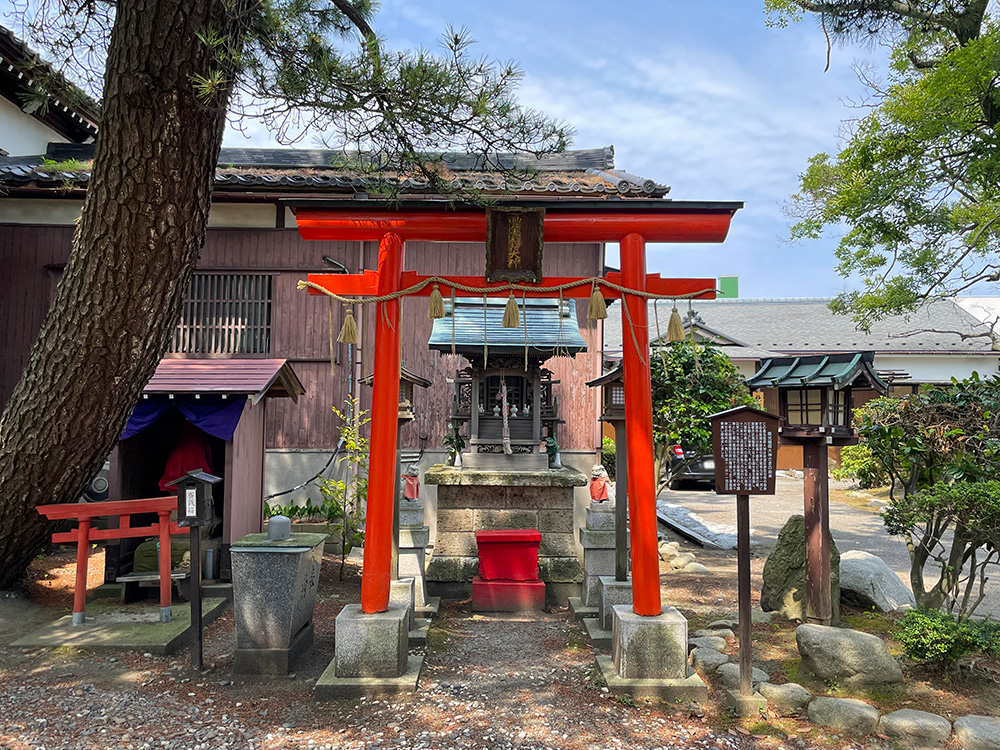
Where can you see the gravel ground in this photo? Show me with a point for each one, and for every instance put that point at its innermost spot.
(488, 682)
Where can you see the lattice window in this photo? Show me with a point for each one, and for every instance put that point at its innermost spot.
(226, 313)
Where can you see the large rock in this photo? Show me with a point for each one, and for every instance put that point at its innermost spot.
(707, 660)
(978, 732)
(708, 641)
(784, 587)
(788, 699)
(730, 674)
(866, 581)
(846, 714)
(912, 728)
(846, 656)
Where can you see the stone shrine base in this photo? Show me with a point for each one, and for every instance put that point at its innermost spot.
(690, 688)
(507, 596)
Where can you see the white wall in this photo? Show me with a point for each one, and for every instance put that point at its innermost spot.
(53, 211)
(939, 368)
(22, 134)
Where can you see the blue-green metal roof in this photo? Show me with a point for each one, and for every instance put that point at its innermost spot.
(549, 328)
(834, 370)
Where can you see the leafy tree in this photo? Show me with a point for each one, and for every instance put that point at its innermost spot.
(690, 381)
(344, 499)
(939, 448)
(169, 72)
(915, 182)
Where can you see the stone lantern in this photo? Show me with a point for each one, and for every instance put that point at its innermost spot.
(814, 403)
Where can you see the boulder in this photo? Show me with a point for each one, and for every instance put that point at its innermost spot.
(669, 551)
(682, 560)
(730, 674)
(707, 660)
(718, 633)
(730, 624)
(788, 699)
(978, 732)
(846, 656)
(713, 642)
(866, 582)
(784, 586)
(912, 728)
(756, 616)
(696, 567)
(846, 714)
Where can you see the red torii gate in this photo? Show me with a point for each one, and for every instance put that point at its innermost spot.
(629, 223)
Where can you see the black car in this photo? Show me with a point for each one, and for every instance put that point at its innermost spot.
(700, 470)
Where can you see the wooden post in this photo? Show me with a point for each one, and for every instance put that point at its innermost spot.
(166, 615)
(375, 573)
(743, 590)
(819, 608)
(197, 649)
(639, 428)
(82, 551)
(621, 502)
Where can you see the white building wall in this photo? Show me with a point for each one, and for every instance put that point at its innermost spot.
(65, 211)
(22, 134)
(939, 368)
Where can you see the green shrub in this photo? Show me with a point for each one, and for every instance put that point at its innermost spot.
(857, 462)
(608, 455)
(935, 636)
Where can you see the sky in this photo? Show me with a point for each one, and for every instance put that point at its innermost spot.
(699, 96)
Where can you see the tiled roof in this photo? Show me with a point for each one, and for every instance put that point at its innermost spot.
(68, 109)
(807, 326)
(548, 327)
(583, 172)
(836, 370)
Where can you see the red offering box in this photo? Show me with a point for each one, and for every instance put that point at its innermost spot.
(508, 555)
(507, 596)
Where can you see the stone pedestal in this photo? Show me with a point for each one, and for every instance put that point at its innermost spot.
(612, 593)
(401, 594)
(598, 540)
(471, 500)
(754, 705)
(274, 593)
(649, 657)
(371, 655)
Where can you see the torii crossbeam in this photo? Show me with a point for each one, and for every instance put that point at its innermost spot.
(629, 223)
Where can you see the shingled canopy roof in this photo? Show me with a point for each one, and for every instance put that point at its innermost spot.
(590, 173)
(834, 370)
(549, 327)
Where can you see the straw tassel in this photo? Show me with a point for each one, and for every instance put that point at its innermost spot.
(348, 331)
(435, 309)
(597, 309)
(675, 327)
(511, 319)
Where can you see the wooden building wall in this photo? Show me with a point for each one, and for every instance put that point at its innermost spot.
(32, 256)
(243, 512)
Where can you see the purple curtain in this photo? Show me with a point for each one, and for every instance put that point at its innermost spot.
(211, 414)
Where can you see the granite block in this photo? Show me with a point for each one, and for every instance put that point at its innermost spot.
(371, 645)
(646, 647)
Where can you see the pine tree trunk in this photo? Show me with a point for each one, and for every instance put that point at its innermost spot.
(135, 248)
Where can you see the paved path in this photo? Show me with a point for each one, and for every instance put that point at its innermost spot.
(852, 528)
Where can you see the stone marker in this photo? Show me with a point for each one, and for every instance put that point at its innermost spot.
(274, 594)
(612, 592)
(846, 656)
(598, 541)
(846, 714)
(707, 659)
(978, 732)
(730, 674)
(784, 580)
(915, 728)
(866, 582)
(789, 699)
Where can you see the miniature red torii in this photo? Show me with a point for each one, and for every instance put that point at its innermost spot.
(631, 224)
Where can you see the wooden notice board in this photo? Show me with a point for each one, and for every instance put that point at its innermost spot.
(514, 244)
(745, 444)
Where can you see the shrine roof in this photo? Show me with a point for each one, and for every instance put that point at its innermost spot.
(832, 370)
(545, 327)
(319, 172)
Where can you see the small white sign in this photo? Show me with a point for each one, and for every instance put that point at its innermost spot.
(190, 502)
